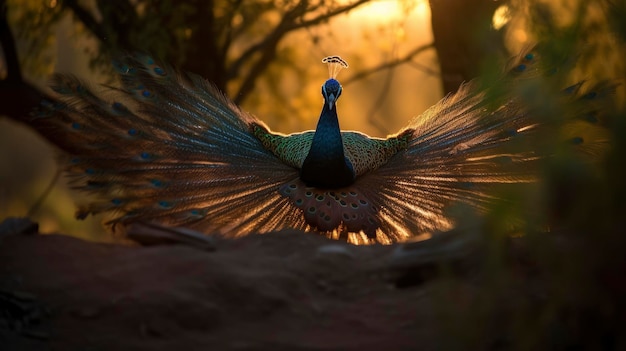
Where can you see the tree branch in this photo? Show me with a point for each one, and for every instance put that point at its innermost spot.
(86, 18)
(268, 51)
(268, 46)
(379, 101)
(328, 15)
(388, 65)
(271, 38)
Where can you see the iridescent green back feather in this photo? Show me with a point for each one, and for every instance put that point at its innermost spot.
(365, 153)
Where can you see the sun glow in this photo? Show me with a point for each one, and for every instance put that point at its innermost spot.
(501, 17)
(388, 11)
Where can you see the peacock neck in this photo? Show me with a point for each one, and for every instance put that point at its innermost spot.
(326, 164)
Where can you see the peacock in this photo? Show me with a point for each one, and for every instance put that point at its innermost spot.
(167, 147)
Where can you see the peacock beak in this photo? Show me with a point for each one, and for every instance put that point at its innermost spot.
(331, 99)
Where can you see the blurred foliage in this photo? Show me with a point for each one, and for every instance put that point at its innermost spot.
(580, 28)
(35, 36)
(561, 285)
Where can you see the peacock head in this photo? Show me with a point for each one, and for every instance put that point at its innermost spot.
(331, 90)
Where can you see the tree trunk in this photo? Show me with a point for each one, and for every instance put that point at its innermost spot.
(464, 38)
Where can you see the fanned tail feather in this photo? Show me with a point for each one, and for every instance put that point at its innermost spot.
(478, 139)
(170, 147)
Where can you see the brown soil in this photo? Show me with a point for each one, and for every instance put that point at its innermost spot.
(278, 291)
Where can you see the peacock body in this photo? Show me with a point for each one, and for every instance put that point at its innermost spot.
(168, 147)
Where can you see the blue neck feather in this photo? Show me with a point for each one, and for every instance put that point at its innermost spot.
(326, 165)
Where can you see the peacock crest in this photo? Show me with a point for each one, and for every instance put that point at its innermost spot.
(335, 65)
(168, 147)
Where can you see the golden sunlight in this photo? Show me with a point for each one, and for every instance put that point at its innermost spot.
(388, 10)
(501, 17)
